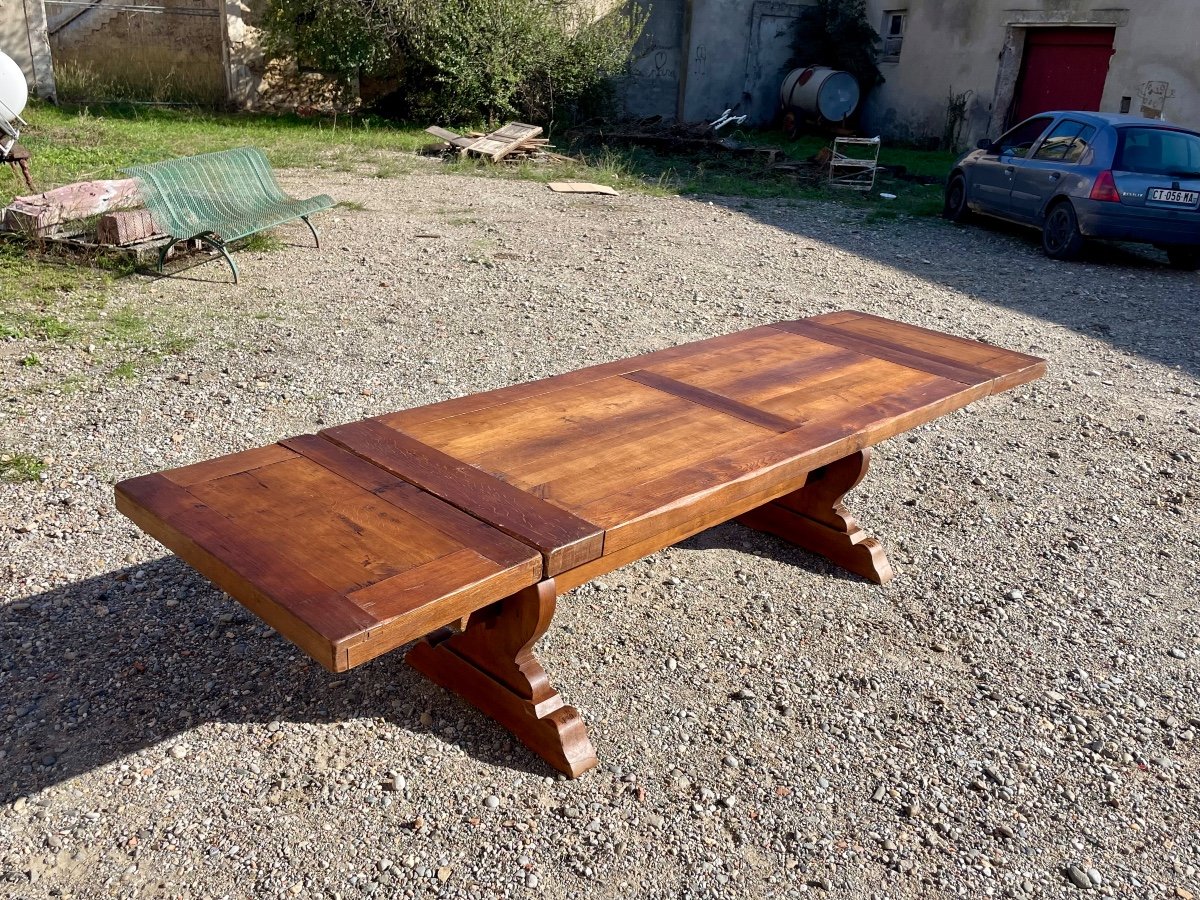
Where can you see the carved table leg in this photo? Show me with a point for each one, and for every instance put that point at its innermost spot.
(490, 664)
(815, 519)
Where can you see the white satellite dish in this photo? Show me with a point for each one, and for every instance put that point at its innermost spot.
(14, 94)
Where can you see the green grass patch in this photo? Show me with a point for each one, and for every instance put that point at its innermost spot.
(97, 141)
(125, 370)
(72, 384)
(30, 361)
(18, 467)
(260, 242)
(125, 324)
(174, 344)
(352, 205)
(19, 323)
(26, 275)
(77, 144)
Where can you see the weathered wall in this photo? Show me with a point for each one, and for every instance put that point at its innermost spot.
(739, 56)
(651, 85)
(23, 38)
(14, 36)
(701, 57)
(172, 55)
(1157, 62)
(955, 46)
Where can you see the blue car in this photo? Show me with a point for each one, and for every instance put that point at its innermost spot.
(1081, 175)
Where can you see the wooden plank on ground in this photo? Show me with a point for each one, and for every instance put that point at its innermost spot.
(580, 187)
(454, 140)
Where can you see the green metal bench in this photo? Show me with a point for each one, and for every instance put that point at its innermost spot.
(219, 198)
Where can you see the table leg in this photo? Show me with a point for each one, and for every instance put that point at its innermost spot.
(490, 664)
(815, 518)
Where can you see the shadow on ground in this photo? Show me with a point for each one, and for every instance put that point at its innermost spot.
(1124, 295)
(109, 666)
(104, 668)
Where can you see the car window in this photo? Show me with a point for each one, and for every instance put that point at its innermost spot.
(1158, 151)
(1018, 141)
(1066, 143)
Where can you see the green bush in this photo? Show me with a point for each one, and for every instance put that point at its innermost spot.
(464, 60)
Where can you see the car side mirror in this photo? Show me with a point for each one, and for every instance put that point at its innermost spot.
(984, 144)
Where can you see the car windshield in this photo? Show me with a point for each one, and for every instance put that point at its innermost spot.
(1159, 151)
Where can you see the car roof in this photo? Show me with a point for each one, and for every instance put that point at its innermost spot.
(1117, 120)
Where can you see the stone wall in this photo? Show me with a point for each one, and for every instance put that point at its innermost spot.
(105, 52)
(258, 81)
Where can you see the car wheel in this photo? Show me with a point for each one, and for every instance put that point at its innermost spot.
(956, 209)
(1060, 233)
(1186, 258)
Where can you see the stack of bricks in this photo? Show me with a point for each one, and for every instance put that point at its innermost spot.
(126, 227)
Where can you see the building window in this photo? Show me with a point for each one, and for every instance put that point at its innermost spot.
(894, 21)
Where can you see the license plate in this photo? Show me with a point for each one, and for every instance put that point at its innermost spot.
(1165, 195)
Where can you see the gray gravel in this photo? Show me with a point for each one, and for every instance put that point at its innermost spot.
(1015, 716)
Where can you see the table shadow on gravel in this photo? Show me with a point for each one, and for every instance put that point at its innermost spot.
(760, 545)
(99, 669)
(1002, 264)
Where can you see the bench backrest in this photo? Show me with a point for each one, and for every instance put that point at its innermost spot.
(215, 192)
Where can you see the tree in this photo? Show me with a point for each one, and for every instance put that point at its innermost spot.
(464, 60)
(836, 33)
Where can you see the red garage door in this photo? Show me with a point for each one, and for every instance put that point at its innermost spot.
(1063, 68)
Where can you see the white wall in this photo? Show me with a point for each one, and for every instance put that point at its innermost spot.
(23, 37)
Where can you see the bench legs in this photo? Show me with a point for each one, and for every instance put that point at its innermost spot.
(316, 237)
(490, 664)
(815, 519)
(214, 242)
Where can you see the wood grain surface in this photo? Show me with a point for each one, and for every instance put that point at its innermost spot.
(362, 538)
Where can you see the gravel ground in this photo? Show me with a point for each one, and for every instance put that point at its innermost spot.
(1015, 716)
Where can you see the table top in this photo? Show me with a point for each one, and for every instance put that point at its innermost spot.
(358, 540)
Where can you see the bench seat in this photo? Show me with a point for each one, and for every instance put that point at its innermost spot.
(219, 198)
(372, 534)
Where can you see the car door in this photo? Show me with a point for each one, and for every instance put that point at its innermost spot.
(1040, 175)
(993, 172)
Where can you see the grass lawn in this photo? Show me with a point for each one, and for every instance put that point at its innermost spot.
(80, 144)
(61, 303)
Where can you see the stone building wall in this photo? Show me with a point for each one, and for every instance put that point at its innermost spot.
(258, 81)
(172, 55)
(975, 47)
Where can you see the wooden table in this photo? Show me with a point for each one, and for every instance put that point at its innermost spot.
(460, 522)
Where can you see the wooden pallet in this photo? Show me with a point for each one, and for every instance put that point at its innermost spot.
(494, 145)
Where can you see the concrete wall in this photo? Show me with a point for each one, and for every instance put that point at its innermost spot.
(23, 38)
(14, 36)
(698, 58)
(651, 85)
(739, 56)
(956, 46)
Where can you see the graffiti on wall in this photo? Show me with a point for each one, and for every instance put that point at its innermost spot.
(1154, 96)
(656, 62)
